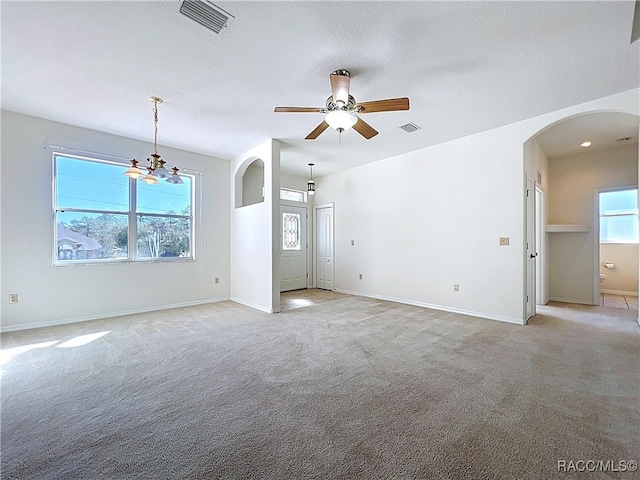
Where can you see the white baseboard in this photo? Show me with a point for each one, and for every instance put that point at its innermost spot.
(619, 292)
(88, 318)
(255, 306)
(442, 308)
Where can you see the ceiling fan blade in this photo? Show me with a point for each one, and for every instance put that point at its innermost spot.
(299, 109)
(384, 105)
(364, 129)
(340, 80)
(318, 130)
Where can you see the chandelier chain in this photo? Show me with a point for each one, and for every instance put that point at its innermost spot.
(155, 126)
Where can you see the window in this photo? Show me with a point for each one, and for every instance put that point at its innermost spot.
(291, 231)
(101, 215)
(619, 216)
(292, 195)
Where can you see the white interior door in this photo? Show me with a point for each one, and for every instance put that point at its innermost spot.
(530, 253)
(324, 247)
(293, 248)
(541, 293)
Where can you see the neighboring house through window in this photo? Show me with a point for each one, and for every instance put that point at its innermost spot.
(103, 216)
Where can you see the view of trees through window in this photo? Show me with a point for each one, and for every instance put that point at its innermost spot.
(96, 219)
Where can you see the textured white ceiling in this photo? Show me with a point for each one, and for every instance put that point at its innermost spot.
(466, 67)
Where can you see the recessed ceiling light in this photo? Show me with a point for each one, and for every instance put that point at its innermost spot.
(585, 144)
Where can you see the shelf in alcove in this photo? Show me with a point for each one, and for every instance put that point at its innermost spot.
(568, 228)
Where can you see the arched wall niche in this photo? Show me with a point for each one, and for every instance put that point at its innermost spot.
(249, 182)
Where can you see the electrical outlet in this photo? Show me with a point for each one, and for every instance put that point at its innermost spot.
(504, 241)
(360, 276)
(217, 280)
(353, 242)
(13, 298)
(456, 287)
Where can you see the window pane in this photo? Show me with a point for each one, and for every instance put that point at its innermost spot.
(92, 185)
(619, 229)
(619, 216)
(91, 236)
(291, 231)
(623, 201)
(292, 195)
(163, 237)
(165, 197)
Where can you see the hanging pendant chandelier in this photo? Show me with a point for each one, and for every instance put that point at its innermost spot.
(155, 168)
(311, 185)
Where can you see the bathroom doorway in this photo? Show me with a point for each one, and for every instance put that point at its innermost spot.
(617, 235)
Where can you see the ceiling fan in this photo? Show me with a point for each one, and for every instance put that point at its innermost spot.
(341, 108)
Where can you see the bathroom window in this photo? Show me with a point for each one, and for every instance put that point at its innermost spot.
(619, 216)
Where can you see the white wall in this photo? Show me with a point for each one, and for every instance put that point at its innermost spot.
(623, 278)
(255, 253)
(51, 295)
(573, 181)
(295, 182)
(430, 218)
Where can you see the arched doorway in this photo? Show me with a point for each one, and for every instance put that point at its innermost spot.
(567, 177)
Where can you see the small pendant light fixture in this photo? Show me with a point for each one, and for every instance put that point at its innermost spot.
(311, 185)
(155, 169)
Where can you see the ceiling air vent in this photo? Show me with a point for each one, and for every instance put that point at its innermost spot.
(207, 14)
(410, 127)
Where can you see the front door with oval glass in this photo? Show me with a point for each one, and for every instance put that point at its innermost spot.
(293, 248)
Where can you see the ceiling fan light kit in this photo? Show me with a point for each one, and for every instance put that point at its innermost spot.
(341, 108)
(340, 120)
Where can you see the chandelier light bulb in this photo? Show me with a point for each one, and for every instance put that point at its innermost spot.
(134, 172)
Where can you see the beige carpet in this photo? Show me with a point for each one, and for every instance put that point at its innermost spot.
(353, 388)
(308, 298)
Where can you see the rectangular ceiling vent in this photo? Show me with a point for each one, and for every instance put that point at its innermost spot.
(207, 14)
(410, 127)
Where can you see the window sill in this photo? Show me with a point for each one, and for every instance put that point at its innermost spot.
(123, 262)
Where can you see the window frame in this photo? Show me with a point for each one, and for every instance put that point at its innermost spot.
(132, 215)
(616, 215)
(286, 189)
